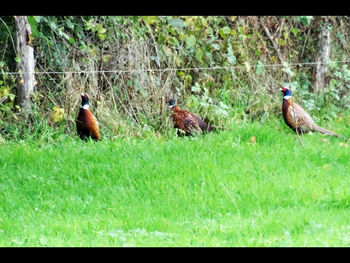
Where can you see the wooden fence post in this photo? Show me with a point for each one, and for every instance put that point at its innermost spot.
(321, 67)
(25, 53)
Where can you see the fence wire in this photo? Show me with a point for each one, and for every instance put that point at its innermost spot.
(285, 65)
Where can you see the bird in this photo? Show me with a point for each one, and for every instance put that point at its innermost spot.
(187, 122)
(87, 124)
(298, 119)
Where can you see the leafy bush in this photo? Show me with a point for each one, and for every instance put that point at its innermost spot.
(223, 68)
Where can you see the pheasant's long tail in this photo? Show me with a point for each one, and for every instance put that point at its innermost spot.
(325, 131)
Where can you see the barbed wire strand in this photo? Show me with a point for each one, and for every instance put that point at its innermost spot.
(173, 69)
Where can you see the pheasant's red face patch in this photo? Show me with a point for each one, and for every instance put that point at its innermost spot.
(283, 89)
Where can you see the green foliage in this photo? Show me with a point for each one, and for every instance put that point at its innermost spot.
(306, 20)
(130, 100)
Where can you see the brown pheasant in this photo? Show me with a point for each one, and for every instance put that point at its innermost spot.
(297, 118)
(187, 122)
(87, 124)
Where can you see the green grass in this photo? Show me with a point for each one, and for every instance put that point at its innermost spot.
(213, 190)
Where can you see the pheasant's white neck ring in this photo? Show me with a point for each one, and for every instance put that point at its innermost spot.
(86, 107)
(172, 106)
(287, 97)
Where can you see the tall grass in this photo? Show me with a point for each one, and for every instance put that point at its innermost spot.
(215, 190)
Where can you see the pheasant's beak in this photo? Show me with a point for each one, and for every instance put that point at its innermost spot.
(283, 89)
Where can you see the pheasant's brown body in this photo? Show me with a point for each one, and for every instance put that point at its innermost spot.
(189, 122)
(87, 124)
(298, 119)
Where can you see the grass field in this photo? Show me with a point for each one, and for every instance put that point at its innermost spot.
(214, 190)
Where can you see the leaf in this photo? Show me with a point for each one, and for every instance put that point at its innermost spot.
(259, 68)
(156, 59)
(150, 19)
(57, 114)
(172, 31)
(204, 21)
(295, 31)
(181, 74)
(281, 42)
(209, 31)
(215, 46)
(63, 34)
(69, 24)
(138, 87)
(199, 55)
(306, 20)
(37, 18)
(6, 91)
(53, 25)
(106, 58)
(230, 56)
(191, 41)
(176, 22)
(32, 23)
(224, 32)
(338, 74)
(196, 87)
(89, 24)
(11, 97)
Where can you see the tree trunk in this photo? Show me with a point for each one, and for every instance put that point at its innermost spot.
(323, 56)
(25, 53)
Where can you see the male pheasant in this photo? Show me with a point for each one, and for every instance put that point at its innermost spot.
(87, 124)
(186, 121)
(297, 118)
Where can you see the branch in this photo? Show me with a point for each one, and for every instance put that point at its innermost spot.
(268, 34)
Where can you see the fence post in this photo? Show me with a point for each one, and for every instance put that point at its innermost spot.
(25, 54)
(321, 67)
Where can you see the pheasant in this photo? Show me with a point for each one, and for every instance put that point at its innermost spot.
(297, 118)
(186, 121)
(87, 124)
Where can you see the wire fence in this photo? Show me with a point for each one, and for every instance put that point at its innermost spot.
(285, 65)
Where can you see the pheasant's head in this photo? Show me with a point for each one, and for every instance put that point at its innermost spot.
(84, 101)
(170, 102)
(286, 92)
